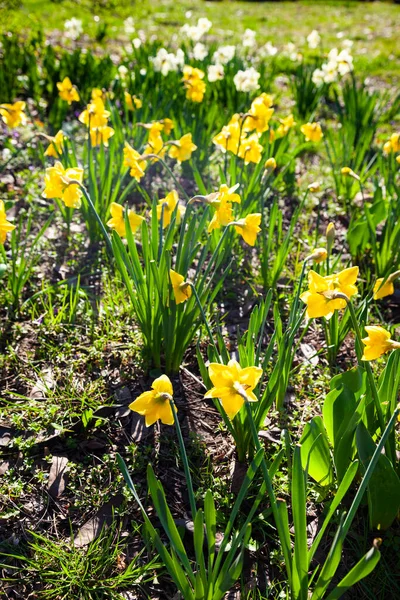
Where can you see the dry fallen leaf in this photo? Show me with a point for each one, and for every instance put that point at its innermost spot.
(57, 476)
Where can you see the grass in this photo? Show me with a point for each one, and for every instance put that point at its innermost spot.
(371, 25)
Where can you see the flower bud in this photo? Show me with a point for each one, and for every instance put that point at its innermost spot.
(318, 255)
(330, 237)
(270, 164)
(347, 172)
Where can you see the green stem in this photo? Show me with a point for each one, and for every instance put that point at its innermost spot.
(203, 314)
(164, 164)
(96, 215)
(271, 494)
(371, 379)
(184, 461)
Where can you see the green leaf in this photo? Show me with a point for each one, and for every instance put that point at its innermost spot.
(363, 568)
(384, 486)
(315, 454)
(299, 499)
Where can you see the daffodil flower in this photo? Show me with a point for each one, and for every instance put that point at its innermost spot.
(250, 149)
(5, 226)
(321, 297)
(132, 102)
(233, 385)
(229, 137)
(377, 343)
(95, 114)
(13, 114)
(56, 145)
(67, 91)
(312, 132)
(166, 207)
(57, 185)
(155, 405)
(117, 220)
(101, 135)
(181, 288)
(132, 159)
(248, 227)
(182, 149)
(385, 289)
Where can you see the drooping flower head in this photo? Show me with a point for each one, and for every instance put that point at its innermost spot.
(383, 289)
(377, 343)
(249, 227)
(166, 207)
(229, 136)
(312, 132)
(101, 135)
(182, 149)
(285, 125)
(132, 102)
(250, 149)
(320, 296)
(67, 91)
(117, 221)
(55, 148)
(181, 288)
(132, 159)
(5, 226)
(222, 202)
(233, 385)
(57, 185)
(194, 84)
(95, 114)
(155, 405)
(13, 114)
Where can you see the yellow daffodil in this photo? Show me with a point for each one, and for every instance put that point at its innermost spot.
(285, 125)
(347, 172)
(57, 185)
(5, 226)
(56, 145)
(249, 227)
(385, 289)
(166, 207)
(132, 159)
(320, 297)
(182, 149)
(101, 135)
(194, 84)
(97, 93)
(168, 125)
(312, 132)
(222, 202)
(270, 164)
(258, 116)
(229, 137)
(132, 102)
(95, 114)
(250, 149)
(233, 385)
(155, 405)
(377, 343)
(67, 91)
(117, 220)
(13, 114)
(380, 291)
(267, 99)
(181, 288)
(398, 159)
(155, 144)
(393, 144)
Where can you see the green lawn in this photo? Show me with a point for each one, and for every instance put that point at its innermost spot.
(372, 26)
